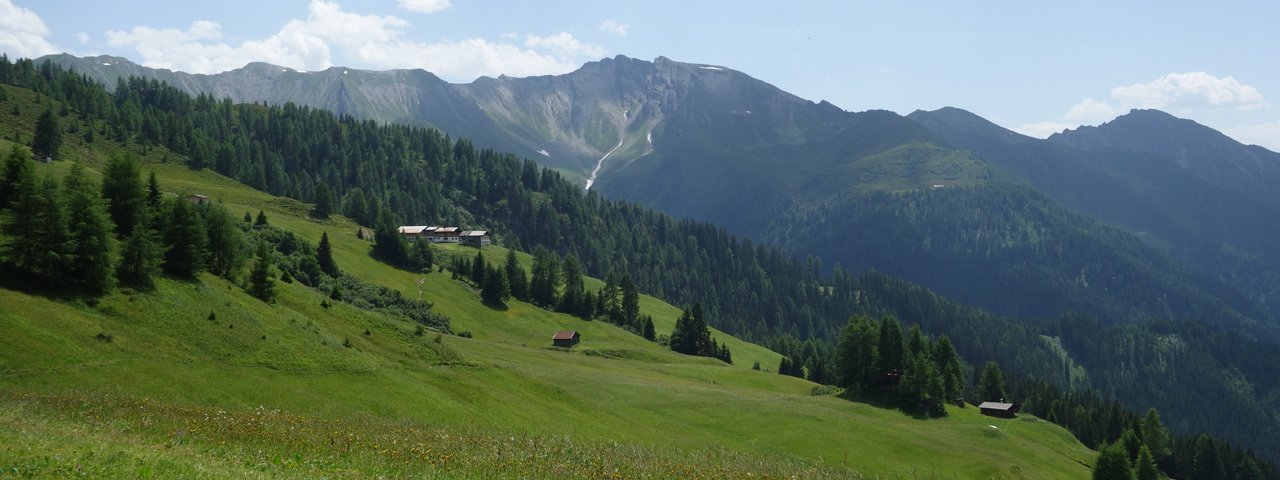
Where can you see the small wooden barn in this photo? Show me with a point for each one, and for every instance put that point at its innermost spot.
(476, 238)
(565, 338)
(998, 409)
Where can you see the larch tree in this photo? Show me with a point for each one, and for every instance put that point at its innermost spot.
(184, 240)
(89, 227)
(125, 195)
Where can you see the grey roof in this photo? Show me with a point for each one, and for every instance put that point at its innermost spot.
(996, 405)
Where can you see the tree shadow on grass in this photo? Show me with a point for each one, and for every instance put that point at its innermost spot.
(886, 401)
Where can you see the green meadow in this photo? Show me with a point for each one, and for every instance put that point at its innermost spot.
(200, 380)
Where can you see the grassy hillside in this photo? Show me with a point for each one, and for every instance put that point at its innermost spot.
(141, 384)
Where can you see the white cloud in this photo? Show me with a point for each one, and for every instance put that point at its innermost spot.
(329, 33)
(612, 26)
(22, 32)
(467, 59)
(1043, 129)
(1189, 90)
(1263, 134)
(564, 44)
(1090, 109)
(83, 38)
(425, 6)
(1183, 93)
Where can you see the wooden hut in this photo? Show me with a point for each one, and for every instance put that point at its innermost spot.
(565, 338)
(998, 409)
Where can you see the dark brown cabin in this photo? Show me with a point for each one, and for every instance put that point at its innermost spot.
(565, 338)
(997, 409)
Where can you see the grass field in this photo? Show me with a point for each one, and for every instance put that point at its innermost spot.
(145, 384)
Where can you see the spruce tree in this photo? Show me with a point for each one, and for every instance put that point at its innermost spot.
(545, 279)
(494, 290)
(388, 245)
(421, 255)
(478, 269)
(90, 230)
(1155, 436)
(324, 203)
(261, 284)
(17, 169)
(1207, 462)
(261, 221)
(630, 301)
(154, 196)
(991, 386)
(1145, 468)
(856, 360)
(184, 240)
(890, 354)
(649, 333)
(324, 256)
(572, 298)
(608, 301)
(125, 195)
(48, 137)
(516, 278)
(1112, 464)
(947, 362)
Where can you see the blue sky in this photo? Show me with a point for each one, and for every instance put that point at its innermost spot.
(1031, 66)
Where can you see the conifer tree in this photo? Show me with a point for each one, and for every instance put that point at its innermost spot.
(608, 301)
(494, 290)
(516, 278)
(890, 354)
(1112, 464)
(421, 255)
(630, 301)
(184, 240)
(225, 248)
(947, 362)
(324, 202)
(125, 195)
(48, 137)
(139, 258)
(38, 242)
(1145, 468)
(572, 298)
(478, 269)
(545, 279)
(649, 333)
(1207, 462)
(991, 386)
(17, 169)
(388, 245)
(91, 259)
(154, 196)
(324, 256)
(1155, 436)
(857, 362)
(261, 221)
(261, 285)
